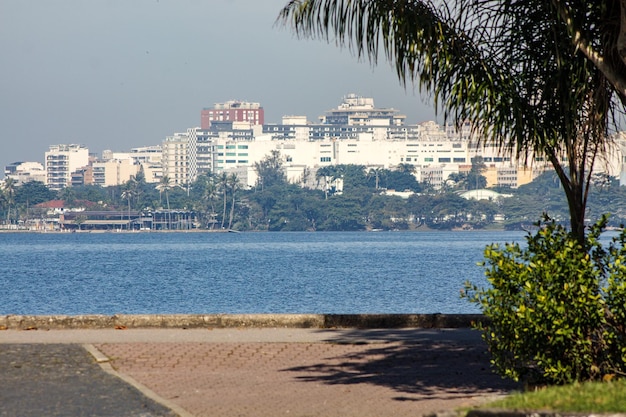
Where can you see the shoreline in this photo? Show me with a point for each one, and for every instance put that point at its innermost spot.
(418, 230)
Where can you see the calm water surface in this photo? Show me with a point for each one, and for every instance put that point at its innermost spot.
(202, 273)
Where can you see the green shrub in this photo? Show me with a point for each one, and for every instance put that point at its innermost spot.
(556, 312)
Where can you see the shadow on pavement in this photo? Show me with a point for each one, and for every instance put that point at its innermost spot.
(416, 364)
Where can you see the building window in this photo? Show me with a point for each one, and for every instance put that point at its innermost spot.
(444, 159)
(459, 160)
(325, 159)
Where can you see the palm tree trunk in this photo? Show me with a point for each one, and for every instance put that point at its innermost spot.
(232, 212)
(169, 214)
(224, 211)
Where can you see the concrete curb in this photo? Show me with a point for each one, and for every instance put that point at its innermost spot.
(190, 321)
(513, 413)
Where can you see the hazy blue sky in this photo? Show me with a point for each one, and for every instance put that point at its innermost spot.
(117, 74)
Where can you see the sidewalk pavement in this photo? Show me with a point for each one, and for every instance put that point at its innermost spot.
(243, 372)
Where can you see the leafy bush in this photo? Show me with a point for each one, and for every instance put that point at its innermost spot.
(556, 312)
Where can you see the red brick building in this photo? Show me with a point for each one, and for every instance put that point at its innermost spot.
(234, 111)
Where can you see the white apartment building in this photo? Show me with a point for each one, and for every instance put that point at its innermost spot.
(23, 172)
(355, 110)
(179, 158)
(147, 157)
(431, 151)
(356, 132)
(114, 172)
(61, 161)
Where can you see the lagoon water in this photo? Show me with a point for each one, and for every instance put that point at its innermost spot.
(205, 273)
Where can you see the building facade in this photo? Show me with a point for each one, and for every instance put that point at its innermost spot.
(232, 111)
(23, 172)
(61, 161)
(114, 172)
(356, 132)
(179, 158)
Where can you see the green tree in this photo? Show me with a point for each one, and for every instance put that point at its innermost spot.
(353, 176)
(68, 195)
(223, 187)
(329, 175)
(93, 193)
(598, 30)
(376, 174)
(557, 312)
(402, 180)
(270, 171)
(205, 192)
(32, 193)
(343, 213)
(475, 180)
(510, 68)
(458, 180)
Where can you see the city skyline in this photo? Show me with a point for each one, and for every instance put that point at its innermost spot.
(118, 75)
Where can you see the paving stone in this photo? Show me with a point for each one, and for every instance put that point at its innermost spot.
(57, 380)
(398, 378)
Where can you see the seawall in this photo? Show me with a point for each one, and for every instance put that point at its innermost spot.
(189, 321)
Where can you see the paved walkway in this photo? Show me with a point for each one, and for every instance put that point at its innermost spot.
(247, 372)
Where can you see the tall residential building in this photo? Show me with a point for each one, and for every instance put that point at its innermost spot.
(113, 172)
(232, 111)
(179, 158)
(61, 161)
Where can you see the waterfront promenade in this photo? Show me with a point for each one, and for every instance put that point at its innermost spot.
(243, 371)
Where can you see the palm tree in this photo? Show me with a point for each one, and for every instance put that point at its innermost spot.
(509, 68)
(127, 194)
(209, 196)
(376, 174)
(223, 184)
(330, 174)
(406, 167)
(8, 190)
(165, 186)
(233, 186)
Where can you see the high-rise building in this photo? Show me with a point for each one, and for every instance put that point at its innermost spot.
(113, 172)
(61, 161)
(355, 110)
(179, 158)
(355, 117)
(232, 111)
